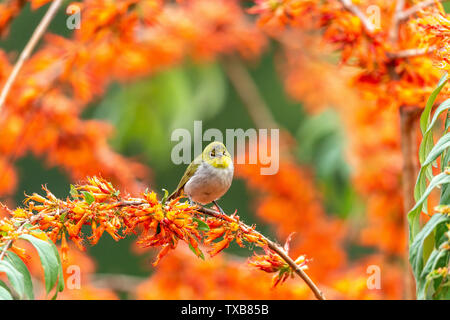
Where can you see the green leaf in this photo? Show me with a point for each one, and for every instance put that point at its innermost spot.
(421, 184)
(73, 191)
(14, 276)
(420, 187)
(438, 149)
(202, 226)
(414, 213)
(88, 197)
(200, 254)
(445, 194)
(427, 141)
(425, 117)
(416, 248)
(60, 285)
(166, 195)
(435, 182)
(425, 146)
(428, 245)
(49, 260)
(425, 285)
(442, 107)
(62, 217)
(440, 234)
(15, 261)
(5, 294)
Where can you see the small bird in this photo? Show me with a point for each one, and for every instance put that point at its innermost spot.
(208, 176)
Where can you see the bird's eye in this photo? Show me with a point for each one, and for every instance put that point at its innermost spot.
(213, 153)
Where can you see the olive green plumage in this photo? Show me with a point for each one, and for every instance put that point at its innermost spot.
(208, 176)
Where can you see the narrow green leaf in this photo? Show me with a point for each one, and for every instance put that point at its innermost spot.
(166, 195)
(414, 213)
(61, 271)
(73, 191)
(14, 276)
(425, 286)
(15, 260)
(421, 184)
(416, 248)
(436, 181)
(5, 294)
(442, 144)
(447, 121)
(440, 234)
(202, 226)
(439, 110)
(445, 194)
(200, 254)
(49, 260)
(60, 285)
(88, 197)
(428, 245)
(425, 146)
(425, 117)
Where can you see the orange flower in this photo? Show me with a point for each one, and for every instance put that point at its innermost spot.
(271, 262)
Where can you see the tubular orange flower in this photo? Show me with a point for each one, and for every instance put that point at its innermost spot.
(162, 224)
(272, 262)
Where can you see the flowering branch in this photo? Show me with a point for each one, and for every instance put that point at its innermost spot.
(162, 224)
(37, 35)
(281, 253)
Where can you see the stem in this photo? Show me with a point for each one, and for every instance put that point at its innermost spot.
(393, 32)
(31, 220)
(408, 119)
(283, 255)
(319, 295)
(249, 94)
(37, 217)
(37, 35)
(411, 53)
(9, 242)
(349, 6)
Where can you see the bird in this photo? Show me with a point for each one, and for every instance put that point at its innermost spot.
(208, 177)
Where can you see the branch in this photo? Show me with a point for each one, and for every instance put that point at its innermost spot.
(164, 223)
(37, 35)
(349, 6)
(393, 32)
(409, 116)
(249, 94)
(410, 53)
(272, 245)
(31, 220)
(57, 212)
(416, 8)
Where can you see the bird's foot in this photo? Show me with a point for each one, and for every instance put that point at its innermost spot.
(219, 208)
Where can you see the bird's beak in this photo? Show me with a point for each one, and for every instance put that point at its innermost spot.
(221, 162)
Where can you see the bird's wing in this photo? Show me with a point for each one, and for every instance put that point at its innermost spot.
(190, 170)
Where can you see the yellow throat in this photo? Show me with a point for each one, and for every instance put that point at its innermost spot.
(217, 155)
